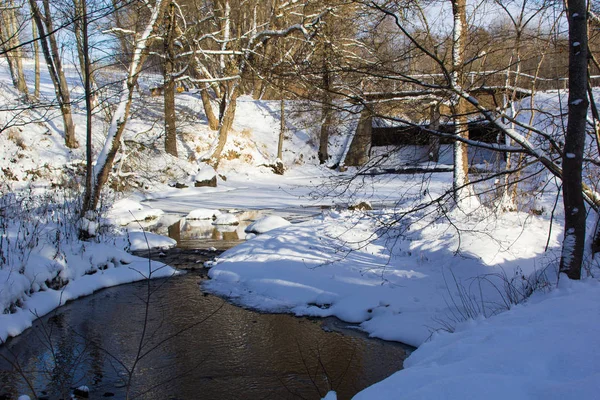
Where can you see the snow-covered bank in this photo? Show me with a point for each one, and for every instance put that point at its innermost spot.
(129, 269)
(398, 287)
(545, 349)
(44, 264)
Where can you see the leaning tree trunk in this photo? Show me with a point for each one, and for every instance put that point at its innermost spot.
(52, 57)
(169, 83)
(213, 121)
(65, 103)
(575, 214)
(228, 115)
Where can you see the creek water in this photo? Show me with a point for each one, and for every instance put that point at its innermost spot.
(188, 345)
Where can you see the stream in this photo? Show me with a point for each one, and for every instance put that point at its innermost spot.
(186, 344)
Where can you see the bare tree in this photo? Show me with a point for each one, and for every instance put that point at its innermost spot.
(444, 79)
(10, 43)
(226, 46)
(77, 14)
(120, 117)
(50, 49)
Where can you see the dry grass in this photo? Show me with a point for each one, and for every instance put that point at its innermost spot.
(15, 135)
(236, 155)
(246, 133)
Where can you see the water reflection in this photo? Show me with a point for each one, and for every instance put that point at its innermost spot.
(204, 234)
(233, 354)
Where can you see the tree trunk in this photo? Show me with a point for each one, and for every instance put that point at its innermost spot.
(87, 84)
(225, 125)
(461, 163)
(79, 7)
(169, 83)
(326, 116)
(575, 215)
(213, 121)
(223, 104)
(434, 125)
(64, 94)
(281, 130)
(36, 61)
(358, 154)
(9, 35)
(52, 57)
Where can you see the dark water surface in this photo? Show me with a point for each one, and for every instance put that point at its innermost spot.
(196, 346)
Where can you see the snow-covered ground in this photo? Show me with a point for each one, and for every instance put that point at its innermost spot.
(402, 272)
(398, 285)
(545, 349)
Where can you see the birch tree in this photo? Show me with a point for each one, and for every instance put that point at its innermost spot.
(105, 160)
(458, 105)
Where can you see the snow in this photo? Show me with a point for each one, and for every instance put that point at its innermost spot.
(226, 219)
(126, 211)
(205, 173)
(203, 213)
(266, 224)
(544, 349)
(140, 240)
(330, 266)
